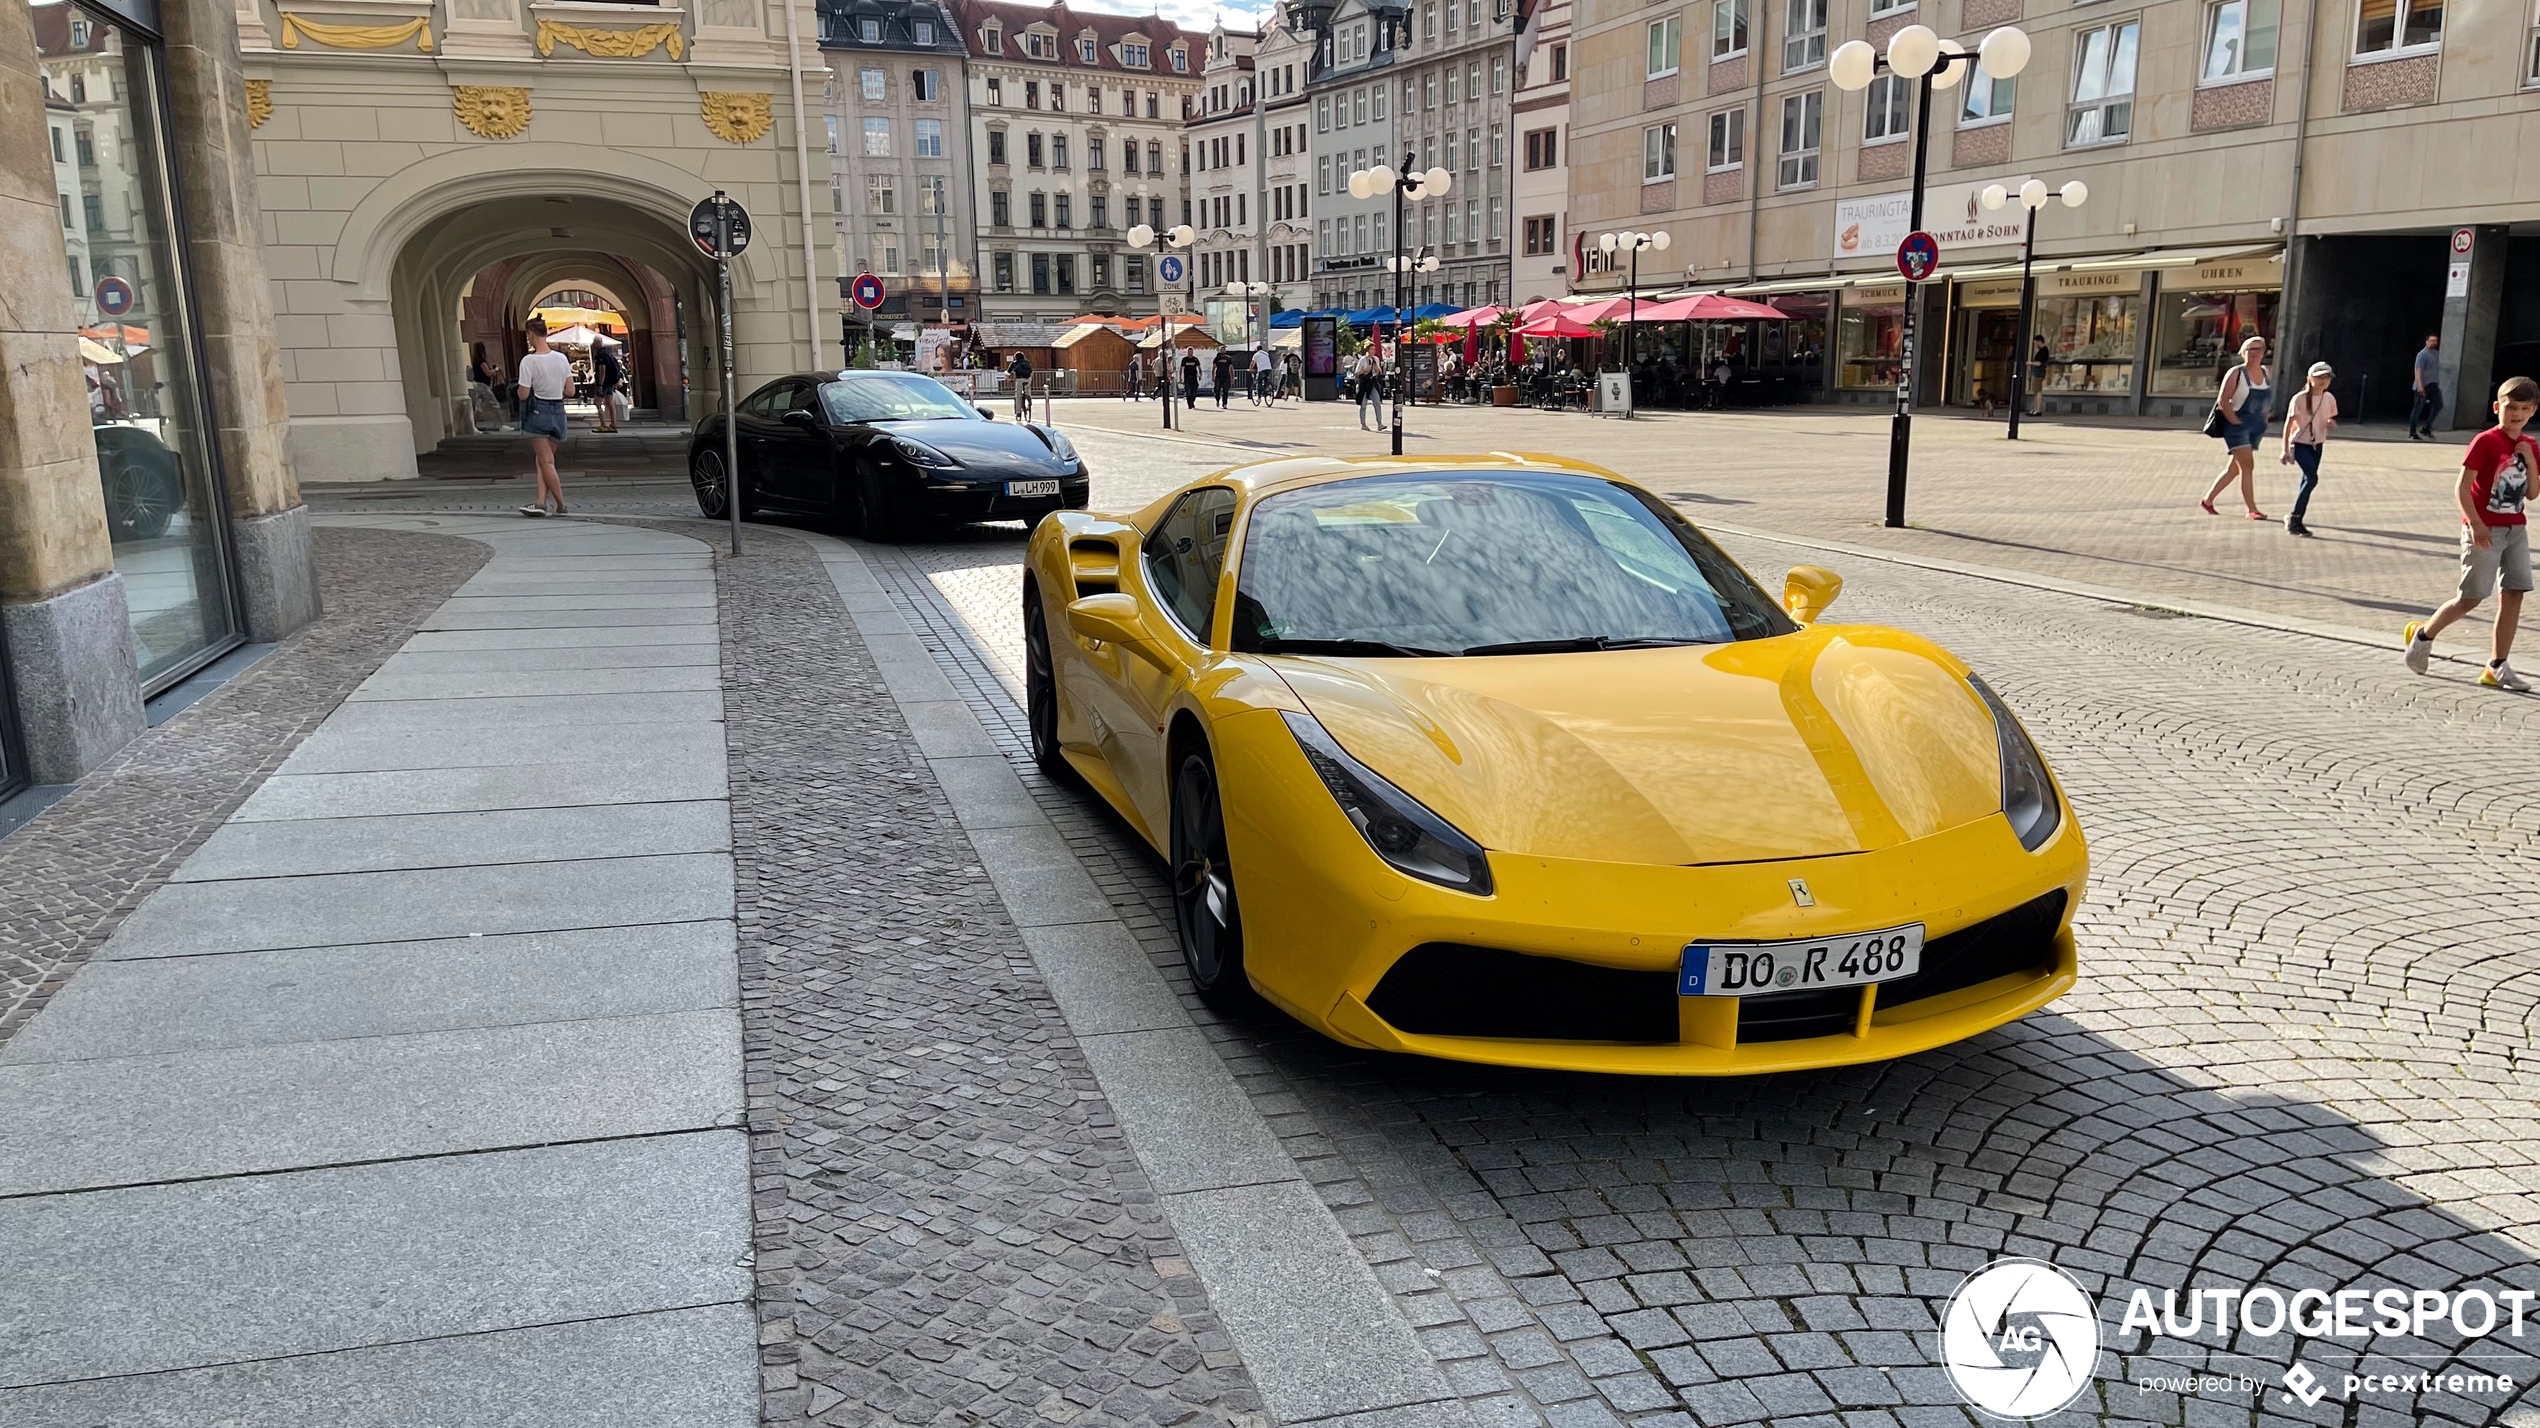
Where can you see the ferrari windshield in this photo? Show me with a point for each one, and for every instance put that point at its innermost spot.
(893, 396)
(1497, 562)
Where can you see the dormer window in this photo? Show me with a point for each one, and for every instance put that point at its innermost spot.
(924, 30)
(1038, 45)
(1087, 51)
(1181, 60)
(869, 30)
(992, 39)
(1134, 55)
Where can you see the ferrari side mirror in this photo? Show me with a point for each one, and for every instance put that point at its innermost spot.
(1808, 590)
(1113, 618)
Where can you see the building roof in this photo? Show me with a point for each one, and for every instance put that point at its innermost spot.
(842, 26)
(1070, 25)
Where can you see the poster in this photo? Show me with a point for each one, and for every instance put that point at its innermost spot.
(1322, 346)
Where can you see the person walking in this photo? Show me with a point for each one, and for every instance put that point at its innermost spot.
(545, 380)
(1367, 375)
(1262, 391)
(2495, 542)
(2307, 423)
(2037, 360)
(2242, 402)
(1137, 378)
(1019, 371)
(2428, 384)
(607, 370)
(1190, 379)
(1222, 372)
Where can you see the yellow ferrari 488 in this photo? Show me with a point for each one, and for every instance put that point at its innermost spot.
(1499, 758)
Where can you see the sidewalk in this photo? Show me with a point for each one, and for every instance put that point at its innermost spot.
(414, 1097)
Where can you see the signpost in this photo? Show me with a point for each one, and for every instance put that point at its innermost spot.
(721, 229)
(1917, 256)
(115, 298)
(1168, 271)
(866, 293)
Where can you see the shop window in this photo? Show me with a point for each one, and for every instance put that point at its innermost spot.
(1663, 39)
(2090, 342)
(2240, 40)
(1728, 29)
(1804, 36)
(1803, 132)
(1657, 153)
(2391, 27)
(1728, 141)
(1987, 100)
(873, 84)
(1887, 116)
(1869, 341)
(2199, 336)
(2103, 85)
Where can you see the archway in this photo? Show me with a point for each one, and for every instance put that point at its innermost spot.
(499, 298)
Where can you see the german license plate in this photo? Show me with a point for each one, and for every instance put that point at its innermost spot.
(1851, 959)
(1031, 488)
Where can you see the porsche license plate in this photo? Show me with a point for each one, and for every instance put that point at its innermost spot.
(1031, 488)
(1745, 969)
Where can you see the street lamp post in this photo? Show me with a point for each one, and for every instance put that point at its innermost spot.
(2033, 196)
(1402, 266)
(1146, 236)
(1249, 292)
(1632, 243)
(1916, 53)
(1367, 183)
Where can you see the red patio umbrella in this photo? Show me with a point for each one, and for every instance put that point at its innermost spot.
(1613, 308)
(1559, 325)
(1709, 307)
(1471, 317)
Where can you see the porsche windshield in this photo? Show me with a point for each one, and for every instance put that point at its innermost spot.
(893, 396)
(1490, 563)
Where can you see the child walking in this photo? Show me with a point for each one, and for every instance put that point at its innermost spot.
(2495, 542)
(2307, 424)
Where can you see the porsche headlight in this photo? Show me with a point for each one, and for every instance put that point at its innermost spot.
(1060, 446)
(920, 454)
(1402, 832)
(2028, 795)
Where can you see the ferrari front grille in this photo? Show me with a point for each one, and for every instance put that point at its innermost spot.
(2021, 940)
(1449, 989)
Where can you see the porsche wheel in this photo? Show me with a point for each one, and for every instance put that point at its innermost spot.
(1204, 907)
(877, 509)
(1040, 689)
(705, 473)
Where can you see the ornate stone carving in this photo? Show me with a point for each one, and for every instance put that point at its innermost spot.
(259, 102)
(736, 118)
(611, 44)
(491, 111)
(356, 37)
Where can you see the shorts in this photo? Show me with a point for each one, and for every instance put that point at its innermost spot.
(544, 416)
(2244, 434)
(2506, 558)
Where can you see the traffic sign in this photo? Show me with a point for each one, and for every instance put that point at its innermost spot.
(867, 291)
(1918, 256)
(1169, 268)
(1172, 304)
(2463, 239)
(701, 226)
(114, 296)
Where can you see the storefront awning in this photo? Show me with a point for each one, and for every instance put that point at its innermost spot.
(2167, 258)
(1818, 283)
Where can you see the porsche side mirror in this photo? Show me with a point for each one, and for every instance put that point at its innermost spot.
(1113, 619)
(1808, 590)
(803, 418)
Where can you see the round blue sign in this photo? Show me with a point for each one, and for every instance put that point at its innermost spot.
(1918, 256)
(1169, 268)
(867, 291)
(114, 296)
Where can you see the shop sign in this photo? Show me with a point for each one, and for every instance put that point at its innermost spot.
(2122, 280)
(2240, 274)
(1874, 293)
(1994, 292)
(1952, 213)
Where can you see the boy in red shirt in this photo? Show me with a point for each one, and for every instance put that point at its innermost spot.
(2496, 478)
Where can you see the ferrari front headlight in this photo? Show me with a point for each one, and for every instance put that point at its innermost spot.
(2028, 795)
(1402, 832)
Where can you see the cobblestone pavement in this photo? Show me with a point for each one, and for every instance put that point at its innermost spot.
(2110, 505)
(2301, 1056)
(69, 876)
(950, 1228)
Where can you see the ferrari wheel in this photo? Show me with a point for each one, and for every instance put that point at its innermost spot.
(1205, 912)
(1040, 689)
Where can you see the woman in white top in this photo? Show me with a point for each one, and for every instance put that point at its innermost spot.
(545, 378)
(2307, 424)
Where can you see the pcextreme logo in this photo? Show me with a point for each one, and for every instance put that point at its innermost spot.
(2020, 1339)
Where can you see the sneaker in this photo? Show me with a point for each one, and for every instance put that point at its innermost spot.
(2420, 649)
(2502, 676)
(559, 508)
(533, 510)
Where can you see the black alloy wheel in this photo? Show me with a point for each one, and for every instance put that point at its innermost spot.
(1204, 908)
(140, 501)
(705, 472)
(878, 515)
(1040, 689)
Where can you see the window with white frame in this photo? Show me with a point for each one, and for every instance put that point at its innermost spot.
(992, 39)
(1322, 116)
(1472, 220)
(930, 194)
(1728, 29)
(1181, 59)
(925, 85)
(923, 31)
(2102, 111)
(1658, 153)
(1663, 38)
(879, 196)
(1454, 81)
(930, 138)
(1803, 134)
(1378, 115)
(1322, 173)
(2393, 27)
(877, 138)
(2240, 39)
(1728, 141)
(1498, 220)
(886, 256)
(1889, 113)
(1429, 90)
(1499, 72)
(837, 196)
(1987, 100)
(1472, 149)
(1889, 7)
(1086, 50)
(873, 84)
(1453, 139)
(869, 30)
(1804, 35)
(1133, 55)
(832, 121)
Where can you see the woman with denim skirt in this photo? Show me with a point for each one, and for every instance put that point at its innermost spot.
(545, 379)
(2243, 404)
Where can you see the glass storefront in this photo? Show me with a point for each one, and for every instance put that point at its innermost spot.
(2090, 342)
(1984, 337)
(1870, 339)
(2199, 335)
(104, 83)
(1798, 349)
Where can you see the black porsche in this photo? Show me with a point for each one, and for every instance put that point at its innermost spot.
(884, 451)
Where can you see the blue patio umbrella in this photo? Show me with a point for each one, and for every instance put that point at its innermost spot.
(1432, 311)
(1292, 317)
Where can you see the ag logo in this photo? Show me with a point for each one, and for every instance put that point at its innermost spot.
(2020, 1339)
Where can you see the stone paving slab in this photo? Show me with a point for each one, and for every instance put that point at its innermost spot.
(454, 617)
(695, 742)
(163, 1277)
(580, 713)
(300, 847)
(556, 651)
(194, 919)
(597, 781)
(688, 1368)
(157, 1005)
(82, 1125)
(635, 598)
(567, 640)
(558, 585)
(659, 677)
